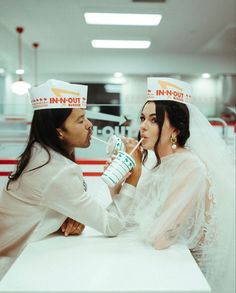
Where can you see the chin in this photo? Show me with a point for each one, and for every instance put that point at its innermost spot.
(147, 147)
(83, 146)
(87, 145)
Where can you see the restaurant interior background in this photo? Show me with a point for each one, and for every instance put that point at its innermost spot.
(195, 41)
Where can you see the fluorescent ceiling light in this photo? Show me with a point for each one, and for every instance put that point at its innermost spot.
(122, 18)
(121, 44)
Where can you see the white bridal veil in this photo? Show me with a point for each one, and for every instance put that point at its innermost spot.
(212, 217)
(218, 256)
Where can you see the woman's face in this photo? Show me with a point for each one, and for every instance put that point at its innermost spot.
(76, 131)
(149, 130)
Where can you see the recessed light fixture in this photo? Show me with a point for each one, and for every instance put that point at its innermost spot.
(122, 18)
(20, 87)
(120, 44)
(2, 71)
(206, 75)
(20, 71)
(118, 74)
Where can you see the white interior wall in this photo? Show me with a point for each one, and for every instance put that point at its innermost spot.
(205, 95)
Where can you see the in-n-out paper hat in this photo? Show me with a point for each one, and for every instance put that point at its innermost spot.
(55, 94)
(168, 89)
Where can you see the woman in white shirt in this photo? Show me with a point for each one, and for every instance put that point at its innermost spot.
(187, 195)
(47, 186)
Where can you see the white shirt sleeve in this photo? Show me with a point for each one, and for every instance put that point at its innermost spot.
(65, 193)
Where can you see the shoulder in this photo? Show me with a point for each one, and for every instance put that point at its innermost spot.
(53, 166)
(189, 162)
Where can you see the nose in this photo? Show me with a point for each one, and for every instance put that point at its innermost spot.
(143, 125)
(89, 124)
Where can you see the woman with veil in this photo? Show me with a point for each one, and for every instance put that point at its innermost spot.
(188, 195)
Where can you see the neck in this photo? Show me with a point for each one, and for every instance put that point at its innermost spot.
(69, 149)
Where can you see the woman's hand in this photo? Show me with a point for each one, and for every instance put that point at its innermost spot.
(71, 227)
(130, 144)
(133, 176)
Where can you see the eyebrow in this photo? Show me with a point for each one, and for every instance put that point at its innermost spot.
(151, 115)
(79, 117)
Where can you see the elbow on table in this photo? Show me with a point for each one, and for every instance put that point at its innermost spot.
(113, 231)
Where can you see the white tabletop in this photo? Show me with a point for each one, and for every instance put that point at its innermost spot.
(93, 263)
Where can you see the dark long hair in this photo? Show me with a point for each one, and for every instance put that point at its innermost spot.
(43, 130)
(178, 115)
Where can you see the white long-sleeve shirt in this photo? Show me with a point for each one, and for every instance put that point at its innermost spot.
(39, 201)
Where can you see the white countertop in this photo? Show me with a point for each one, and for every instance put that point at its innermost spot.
(93, 263)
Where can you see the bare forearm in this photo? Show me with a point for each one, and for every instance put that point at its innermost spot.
(134, 177)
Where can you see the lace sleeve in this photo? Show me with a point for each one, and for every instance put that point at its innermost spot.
(188, 189)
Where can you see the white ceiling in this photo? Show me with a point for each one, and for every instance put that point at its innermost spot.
(194, 36)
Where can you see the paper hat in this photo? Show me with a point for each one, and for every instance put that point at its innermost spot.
(168, 89)
(54, 94)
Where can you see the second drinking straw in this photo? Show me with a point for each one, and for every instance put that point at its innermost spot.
(133, 150)
(94, 137)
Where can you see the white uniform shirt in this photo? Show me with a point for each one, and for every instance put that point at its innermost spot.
(38, 202)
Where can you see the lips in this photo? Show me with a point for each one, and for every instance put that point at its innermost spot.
(90, 135)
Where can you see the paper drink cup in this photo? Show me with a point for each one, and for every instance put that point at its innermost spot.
(118, 169)
(115, 144)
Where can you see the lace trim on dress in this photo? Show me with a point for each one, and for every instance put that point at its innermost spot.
(202, 251)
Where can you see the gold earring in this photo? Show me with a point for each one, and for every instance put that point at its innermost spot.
(173, 141)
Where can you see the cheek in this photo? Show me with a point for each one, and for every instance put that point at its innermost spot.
(166, 136)
(80, 131)
(155, 133)
(79, 128)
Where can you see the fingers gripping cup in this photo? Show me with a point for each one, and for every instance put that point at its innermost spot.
(118, 169)
(114, 145)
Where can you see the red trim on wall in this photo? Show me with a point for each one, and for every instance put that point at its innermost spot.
(4, 173)
(15, 119)
(8, 162)
(90, 162)
(80, 161)
(218, 123)
(92, 174)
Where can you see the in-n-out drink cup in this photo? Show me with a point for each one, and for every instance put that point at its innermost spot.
(118, 169)
(114, 145)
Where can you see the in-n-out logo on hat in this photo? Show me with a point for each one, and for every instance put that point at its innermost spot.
(161, 88)
(55, 94)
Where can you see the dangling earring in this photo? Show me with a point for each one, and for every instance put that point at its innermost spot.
(173, 141)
